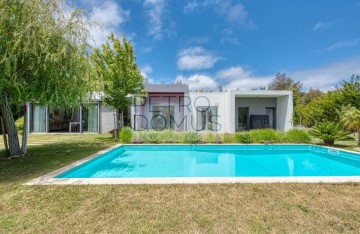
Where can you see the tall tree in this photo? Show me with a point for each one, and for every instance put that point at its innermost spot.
(115, 64)
(42, 57)
(351, 119)
(311, 95)
(283, 82)
(350, 90)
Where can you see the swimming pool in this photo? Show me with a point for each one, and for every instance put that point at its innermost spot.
(214, 163)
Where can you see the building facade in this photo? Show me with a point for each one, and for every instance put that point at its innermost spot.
(173, 107)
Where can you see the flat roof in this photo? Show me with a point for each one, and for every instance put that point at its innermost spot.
(166, 88)
(261, 93)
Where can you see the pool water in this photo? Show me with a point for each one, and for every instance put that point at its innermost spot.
(151, 161)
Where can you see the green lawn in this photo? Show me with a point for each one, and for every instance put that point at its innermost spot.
(220, 208)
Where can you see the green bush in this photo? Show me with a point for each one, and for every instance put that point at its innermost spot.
(126, 135)
(229, 138)
(138, 138)
(192, 137)
(152, 137)
(209, 137)
(329, 132)
(264, 136)
(297, 136)
(219, 139)
(243, 137)
(169, 136)
(19, 123)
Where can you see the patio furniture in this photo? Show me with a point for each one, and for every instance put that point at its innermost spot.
(74, 127)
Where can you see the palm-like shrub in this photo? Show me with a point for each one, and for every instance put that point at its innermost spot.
(329, 132)
(351, 119)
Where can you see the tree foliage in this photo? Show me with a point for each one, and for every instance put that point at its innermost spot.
(284, 82)
(350, 118)
(328, 107)
(115, 64)
(42, 56)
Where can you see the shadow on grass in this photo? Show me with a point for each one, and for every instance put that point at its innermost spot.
(45, 158)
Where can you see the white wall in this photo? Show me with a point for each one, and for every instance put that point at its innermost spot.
(142, 114)
(221, 100)
(106, 118)
(227, 104)
(284, 113)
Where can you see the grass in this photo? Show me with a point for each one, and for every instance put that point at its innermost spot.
(220, 208)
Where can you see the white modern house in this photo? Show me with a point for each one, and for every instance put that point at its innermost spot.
(173, 107)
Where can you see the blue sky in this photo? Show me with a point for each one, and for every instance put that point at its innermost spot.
(236, 44)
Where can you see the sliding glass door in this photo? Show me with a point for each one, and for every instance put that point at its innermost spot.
(38, 118)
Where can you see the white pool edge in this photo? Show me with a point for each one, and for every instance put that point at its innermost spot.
(49, 179)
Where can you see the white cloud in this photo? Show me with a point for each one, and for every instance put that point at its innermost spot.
(196, 58)
(341, 44)
(227, 36)
(145, 72)
(322, 26)
(194, 5)
(191, 6)
(234, 13)
(328, 76)
(155, 11)
(198, 82)
(110, 16)
(238, 78)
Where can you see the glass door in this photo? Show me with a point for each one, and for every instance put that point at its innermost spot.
(243, 118)
(271, 112)
(90, 118)
(38, 118)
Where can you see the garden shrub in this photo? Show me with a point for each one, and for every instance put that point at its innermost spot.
(138, 138)
(297, 136)
(19, 123)
(169, 136)
(229, 138)
(192, 137)
(209, 137)
(243, 137)
(152, 137)
(219, 139)
(126, 135)
(329, 132)
(264, 135)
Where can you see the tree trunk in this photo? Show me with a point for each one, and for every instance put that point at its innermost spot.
(4, 135)
(14, 146)
(115, 126)
(25, 133)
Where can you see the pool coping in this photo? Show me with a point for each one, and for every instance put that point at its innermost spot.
(48, 179)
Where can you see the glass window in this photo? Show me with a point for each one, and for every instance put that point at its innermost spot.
(271, 112)
(207, 118)
(38, 118)
(90, 117)
(243, 113)
(162, 117)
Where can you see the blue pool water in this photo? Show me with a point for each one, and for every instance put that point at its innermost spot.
(146, 161)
